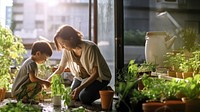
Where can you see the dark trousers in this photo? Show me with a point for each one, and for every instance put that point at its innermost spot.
(91, 93)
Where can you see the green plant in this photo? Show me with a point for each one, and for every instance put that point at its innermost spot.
(189, 38)
(45, 70)
(66, 96)
(19, 107)
(173, 61)
(11, 53)
(126, 88)
(190, 87)
(155, 89)
(186, 66)
(146, 67)
(57, 86)
(195, 61)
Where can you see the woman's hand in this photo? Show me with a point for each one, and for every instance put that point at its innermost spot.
(75, 93)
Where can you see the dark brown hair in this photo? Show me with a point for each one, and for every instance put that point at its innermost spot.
(69, 33)
(42, 46)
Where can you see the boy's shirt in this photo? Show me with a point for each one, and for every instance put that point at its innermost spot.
(22, 77)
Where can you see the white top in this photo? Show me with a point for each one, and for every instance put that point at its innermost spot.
(90, 57)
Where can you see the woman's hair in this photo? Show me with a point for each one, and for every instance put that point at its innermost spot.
(42, 46)
(69, 33)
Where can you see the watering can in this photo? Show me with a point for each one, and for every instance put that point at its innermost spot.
(157, 44)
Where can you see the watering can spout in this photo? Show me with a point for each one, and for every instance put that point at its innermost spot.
(170, 42)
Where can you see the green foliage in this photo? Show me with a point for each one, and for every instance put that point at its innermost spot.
(126, 85)
(57, 86)
(67, 96)
(195, 61)
(190, 87)
(11, 53)
(44, 70)
(146, 67)
(154, 88)
(173, 61)
(132, 37)
(19, 107)
(190, 38)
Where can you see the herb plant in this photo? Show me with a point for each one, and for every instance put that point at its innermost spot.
(57, 86)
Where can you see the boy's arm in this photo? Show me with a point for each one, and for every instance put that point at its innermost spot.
(33, 78)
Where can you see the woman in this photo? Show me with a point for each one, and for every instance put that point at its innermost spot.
(85, 62)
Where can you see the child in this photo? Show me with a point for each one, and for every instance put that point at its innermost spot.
(26, 84)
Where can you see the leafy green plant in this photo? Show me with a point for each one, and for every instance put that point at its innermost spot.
(173, 61)
(190, 87)
(154, 88)
(126, 87)
(189, 38)
(19, 107)
(186, 66)
(11, 53)
(57, 86)
(195, 61)
(66, 96)
(146, 67)
(45, 70)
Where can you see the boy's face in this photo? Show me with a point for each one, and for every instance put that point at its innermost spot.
(41, 57)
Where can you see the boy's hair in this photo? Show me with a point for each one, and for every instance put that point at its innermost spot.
(42, 46)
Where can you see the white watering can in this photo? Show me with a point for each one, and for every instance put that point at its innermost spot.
(157, 44)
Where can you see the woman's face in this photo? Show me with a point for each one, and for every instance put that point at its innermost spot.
(65, 44)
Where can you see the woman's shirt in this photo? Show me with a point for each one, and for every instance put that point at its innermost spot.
(90, 57)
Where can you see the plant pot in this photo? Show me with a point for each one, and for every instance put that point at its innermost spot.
(187, 74)
(171, 73)
(106, 99)
(179, 75)
(56, 100)
(2, 94)
(168, 106)
(192, 105)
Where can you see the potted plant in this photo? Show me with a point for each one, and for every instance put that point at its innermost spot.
(130, 99)
(195, 61)
(57, 89)
(186, 67)
(190, 88)
(146, 67)
(173, 61)
(11, 53)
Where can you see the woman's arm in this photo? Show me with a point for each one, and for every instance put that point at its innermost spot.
(59, 71)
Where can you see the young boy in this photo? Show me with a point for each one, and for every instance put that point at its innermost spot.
(26, 84)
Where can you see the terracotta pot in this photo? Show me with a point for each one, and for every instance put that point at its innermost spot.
(106, 99)
(56, 100)
(179, 75)
(171, 106)
(187, 74)
(171, 73)
(2, 94)
(193, 105)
